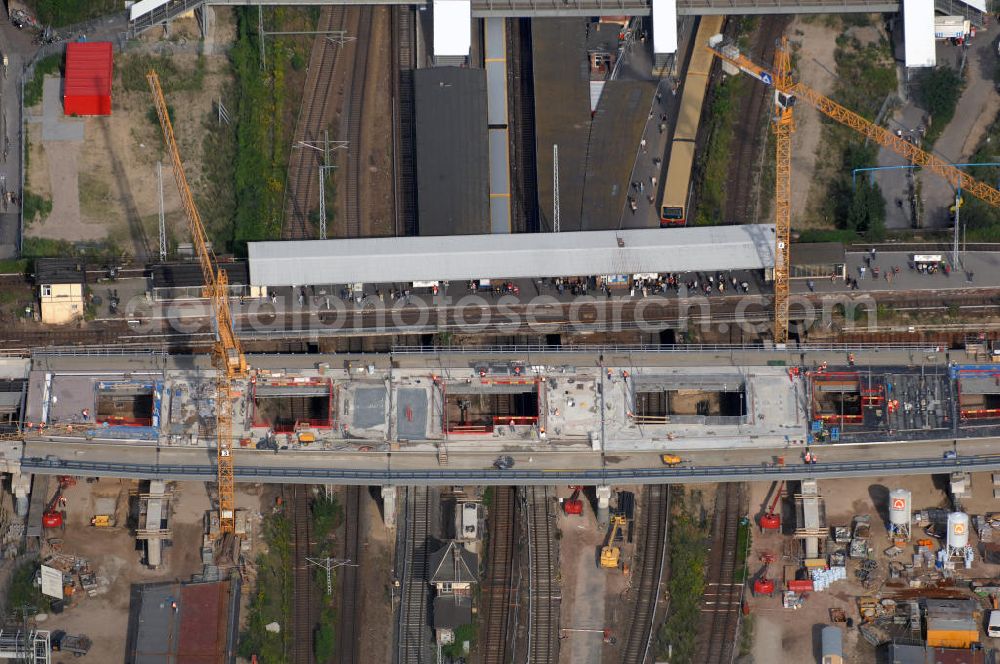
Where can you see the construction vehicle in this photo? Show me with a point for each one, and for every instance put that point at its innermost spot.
(762, 583)
(611, 553)
(53, 516)
(102, 521)
(671, 460)
(573, 504)
(787, 94)
(771, 520)
(228, 354)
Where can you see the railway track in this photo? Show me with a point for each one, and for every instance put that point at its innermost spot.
(314, 116)
(521, 84)
(720, 612)
(413, 630)
(543, 589)
(656, 508)
(347, 643)
(355, 114)
(304, 615)
(751, 130)
(497, 586)
(404, 64)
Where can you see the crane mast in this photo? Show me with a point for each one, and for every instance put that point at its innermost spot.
(786, 93)
(228, 354)
(784, 125)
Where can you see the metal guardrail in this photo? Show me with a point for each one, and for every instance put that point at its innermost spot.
(445, 477)
(657, 348)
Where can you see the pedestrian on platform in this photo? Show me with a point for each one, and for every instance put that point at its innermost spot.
(642, 144)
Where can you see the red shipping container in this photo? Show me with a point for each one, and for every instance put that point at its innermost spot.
(87, 89)
(801, 586)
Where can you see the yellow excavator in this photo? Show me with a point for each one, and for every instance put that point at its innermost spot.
(610, 552)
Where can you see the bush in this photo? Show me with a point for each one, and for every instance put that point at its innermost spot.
(51, 64)
(260, 153)
(937, 92)
(324, 642)
(23, 591)
(721, 118)
(326, 515)
(688, 560)
(58, 13)
(35, 206)
(272, 598)
(154, 118)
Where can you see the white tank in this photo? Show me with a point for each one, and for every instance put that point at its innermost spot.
(899, 507)
(958, 530)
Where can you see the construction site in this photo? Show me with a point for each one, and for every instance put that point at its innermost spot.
(469, 333)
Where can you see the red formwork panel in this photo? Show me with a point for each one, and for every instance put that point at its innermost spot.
(87, 85)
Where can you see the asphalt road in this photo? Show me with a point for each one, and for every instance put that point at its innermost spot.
(575, 465)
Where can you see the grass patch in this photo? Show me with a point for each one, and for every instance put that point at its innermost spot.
(216, 198)
(746, 635)
(688, 563)
(714, 166)
(462, 633)
(272, 598)
(327, 516)
(51, 64)
(58, 13)
(743, 538)
(95, 195)
(134, 67)
(35, 206)
(14, 265)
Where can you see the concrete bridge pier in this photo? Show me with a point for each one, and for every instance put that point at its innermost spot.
(664, 34)
(603, 504)
(452, 31)
(20, 486)
(389, 506)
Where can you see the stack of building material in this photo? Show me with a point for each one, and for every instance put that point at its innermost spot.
(822, 578)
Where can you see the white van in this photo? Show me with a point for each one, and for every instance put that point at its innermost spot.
(993, 626)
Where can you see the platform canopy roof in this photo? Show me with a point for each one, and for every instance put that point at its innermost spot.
(511, 256)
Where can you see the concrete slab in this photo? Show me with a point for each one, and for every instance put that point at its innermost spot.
(411, 413)
(55, 125)
(369, 407)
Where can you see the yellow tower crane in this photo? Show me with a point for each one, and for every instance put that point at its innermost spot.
(786, 93)
(228, 354)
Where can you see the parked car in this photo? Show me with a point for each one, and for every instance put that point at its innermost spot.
(505, 462)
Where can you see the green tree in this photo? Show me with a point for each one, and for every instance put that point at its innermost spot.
(866, 211)
(938, 92)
